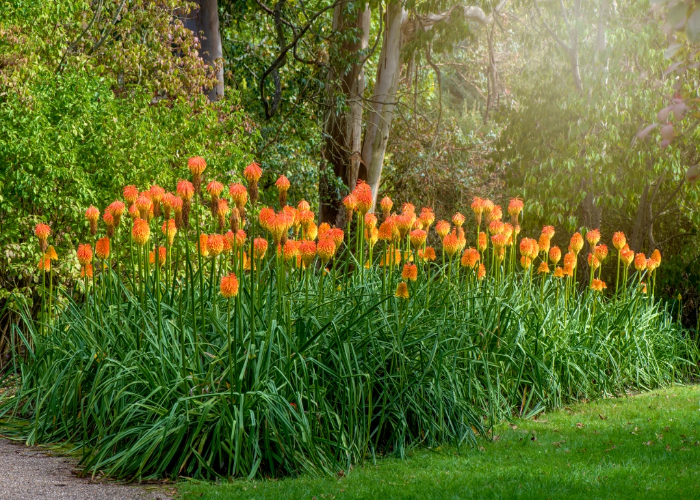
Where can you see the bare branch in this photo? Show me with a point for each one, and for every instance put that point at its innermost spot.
(551, 32)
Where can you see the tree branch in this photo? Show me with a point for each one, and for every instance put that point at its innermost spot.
(551, 32)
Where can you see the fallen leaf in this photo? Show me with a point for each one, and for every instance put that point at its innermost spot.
(602, 417)
(580, 425)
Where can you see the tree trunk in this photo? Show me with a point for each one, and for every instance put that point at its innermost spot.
(383, 98)
(204, 22)
(343, 130)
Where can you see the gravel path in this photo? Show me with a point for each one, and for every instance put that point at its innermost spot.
(29, 473)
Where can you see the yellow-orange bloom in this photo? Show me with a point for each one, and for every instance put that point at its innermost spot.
(252, 173)
(326, 249)
(570, 260)
(337, 235)
(418, 238)
(619, 240)
(51, 253)
(594, 263)
(307, 251)
(656, 257)
(161, 256)
(84, 254)
(404, 222)
(593, 237)
(169, 230)
(410, 272)
(496, 227)
(483, 242)
(266, 218)
(215, 244)
(543, 244)
(576, 243)
(386, 205)
(450, 244)
(140, 232)
(442, 228)
(601, 252)
(401, 290)
(525, 261)
(458, 219)
(598, 285)
(427, 255)
(143, 205)
(495, 213)
(499, 240)
(370, 220)
(185, 190)
(470, 258)
(529, 247)
(549, 231)
(554, 255)
(651, 265)
(203, 247)
(543, 268)
(643, 286)
(259, 248)
(196, 164)
(481, 273)
(42, 231)
(364, 198)
(131, 194)
(427, 217)
(229, 286)
(86, 270)
(478, 209)
(102, 248)
(239, 194)
(92, 214)
(282, 184)
(515, 206)
(214, 188)
(558, 272)
(626, 256)
(44, 264)
(290, 250)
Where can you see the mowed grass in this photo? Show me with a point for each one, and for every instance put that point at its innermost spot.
(641, 446)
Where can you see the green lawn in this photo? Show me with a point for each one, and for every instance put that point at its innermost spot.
(638, 447)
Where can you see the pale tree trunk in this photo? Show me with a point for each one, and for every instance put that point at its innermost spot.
(343, 130)
(383, 97)
(204, 22)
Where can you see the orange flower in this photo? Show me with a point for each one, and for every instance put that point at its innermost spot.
(478, 209)
(656, 257)
(543, 268)
(418, 237)
(196, 164)
(185, 190)
(102, 248)
(458, 219)
(42, 232)
(594, 263)
(282, 184)
(371, 235)
(252, 173)
(239, 194)
(554, 255)
(117, 209)
(401, 291)
(549, 231)
(558, 272)
(161, 256)
(543, 243)
(568, 270)
(410, 272)
(570, 260)
(350, 204)
(45, 264)
(203, 245)
(404, 222)
(131, 194)
(140, 232)
(427, 217)
(156, 193)
(307, 251)
(529, 247)
(259, 248)
(214, 188)
(499, 240)
(483, 242)
(481, 273)
(92, 214)
(496, 227)
(619, 240)
(576, 243)
(290, 250)
(266, 218)
(427, 255)
(386, 205)
(388, 231)
(515, 206)
(601, 252)
(337, 235)
(326, 249)
(86, 270)
(593, 237)
(651, 265)
(450, 244)
(364, 198)
(306, 218)
(470, 258)
(229, 286)
(442, 228)
(215, 244)
(388, 261)
(133, 212)
(525, 261)
(84, 254)
(51, 253)
(643, 285)
(626, 256)
(598, 285)
(495, 213)
(370, 220)
(303, 205)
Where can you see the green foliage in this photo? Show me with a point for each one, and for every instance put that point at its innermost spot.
(637, 446)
